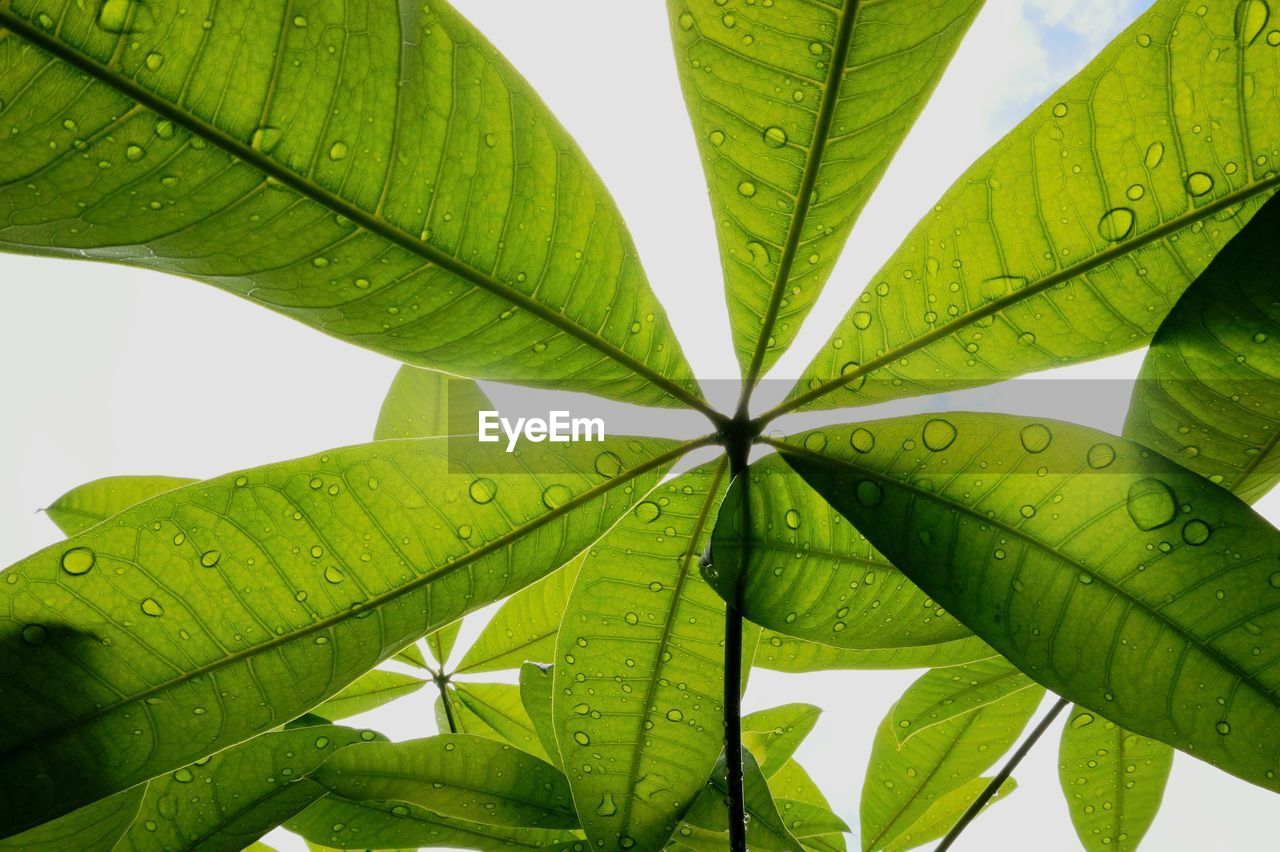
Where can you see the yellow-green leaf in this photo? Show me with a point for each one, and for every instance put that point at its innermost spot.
(457, 775)
(1113, 780)
(210, 613)
(524, 627)
(367, 692)
(938, 819)
(798, 107)
(427, 404)
(1075, 234)
(943, 694)
(440, 215)
(783, 653)
(92, 503)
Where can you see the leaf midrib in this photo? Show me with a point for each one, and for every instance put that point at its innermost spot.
(1011, 672)
(335, 203)
(808, 180)
(374, 603)
(995, 306)
(1155, 615)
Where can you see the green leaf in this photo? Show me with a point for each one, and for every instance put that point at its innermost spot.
(805, 820)
(457, 775)
(1113, 781)
(798, 108)
(638, 690)
(945, 812)
(411, 655)
(787, 654)
(427, 404)
(344, 824)
(1113, 576)
(905, 780)
(1075, 234)
(793, 784)
(92, 503)
(441, 216)
(809, 573)
(236, 796)
(773, 735)
(497, 707)
(1208, 396)
(94, 828)
(708, 815)
(524, 628)
(208, 614)
(943, 694)
(367, 692)
(536, 683)
(440, 642)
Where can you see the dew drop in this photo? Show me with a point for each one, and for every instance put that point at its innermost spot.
(674, 715)
(1155, 153)
(1199, 183)
(608, 464)
(792, 517)
(333, 575)
(210, 558)
(775, 137)
(868, 493)
(1222, 728)
(1196, 532)
(1084, 720)
(483, 490)
(1116, 224)
(862, 440)
(861, 320)
(746, 189)
(939, 434)
(1100, 456)
(1151, 504)
(581, 738)
(35, 634)
(78, 560)
(648, 512)
(152, 607)
(1035, 437)
(606, 807)
(1251, 17)
(338, 151)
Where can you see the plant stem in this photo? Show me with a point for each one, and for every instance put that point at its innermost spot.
(442, 683)
(738, 446)
(1001, 776)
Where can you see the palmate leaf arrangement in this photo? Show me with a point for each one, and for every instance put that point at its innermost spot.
(174, 670)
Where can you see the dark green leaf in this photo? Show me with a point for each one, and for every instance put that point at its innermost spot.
(96, 827)
(1208, 396)
(811, 574)
(1113, 576)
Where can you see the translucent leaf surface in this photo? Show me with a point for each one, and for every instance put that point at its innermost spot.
(441, 215)
(1075, 234)
(370, 690)
(89, 504)
(787, 654)
(1115, 577)
(214, 611)
(798, 107)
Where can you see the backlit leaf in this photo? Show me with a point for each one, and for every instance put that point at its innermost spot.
(1075, 234)
(524, 627)
(427, 404)
(798, 108)
(457, 775)
(812, 574)
(1208, 396)
(86, 505)
(367, 692)
(442, 216)
(1113, 780)
(536, 683)
(945, 812)
(1113, 576)
(943, 694)
(498, 708)
(212, 612)
(94, 828)
(787, 654)
(773, 735)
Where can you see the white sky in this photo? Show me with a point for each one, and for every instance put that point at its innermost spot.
(112, 370)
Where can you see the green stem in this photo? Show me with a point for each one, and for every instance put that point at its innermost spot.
(1001, 776)
(738, 444)
(442, 684)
